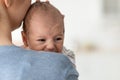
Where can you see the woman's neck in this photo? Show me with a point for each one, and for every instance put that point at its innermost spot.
(5, 26)
(5, 35)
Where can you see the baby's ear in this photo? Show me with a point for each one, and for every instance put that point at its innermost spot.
(8, 3)
(24, 38)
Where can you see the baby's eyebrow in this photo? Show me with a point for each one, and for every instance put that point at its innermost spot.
(59, 34)
(41, 36)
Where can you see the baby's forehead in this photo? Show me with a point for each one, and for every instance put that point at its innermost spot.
(44, 12)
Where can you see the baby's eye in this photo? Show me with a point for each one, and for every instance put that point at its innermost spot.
(58, 39)
(42, 40)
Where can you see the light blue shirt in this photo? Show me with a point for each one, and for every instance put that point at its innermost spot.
(20, 64)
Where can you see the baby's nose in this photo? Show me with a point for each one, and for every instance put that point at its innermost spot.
(50, 47)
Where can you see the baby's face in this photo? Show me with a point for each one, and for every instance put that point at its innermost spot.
(45, 34)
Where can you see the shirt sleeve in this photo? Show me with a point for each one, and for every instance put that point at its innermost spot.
(72, 73)
(70, 54)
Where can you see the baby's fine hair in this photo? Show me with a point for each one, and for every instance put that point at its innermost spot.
(44, 7)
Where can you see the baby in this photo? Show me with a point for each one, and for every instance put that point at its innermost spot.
(43, 29)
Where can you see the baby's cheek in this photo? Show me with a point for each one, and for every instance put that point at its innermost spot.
(39, 48)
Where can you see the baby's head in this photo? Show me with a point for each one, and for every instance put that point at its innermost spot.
(43, 28)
